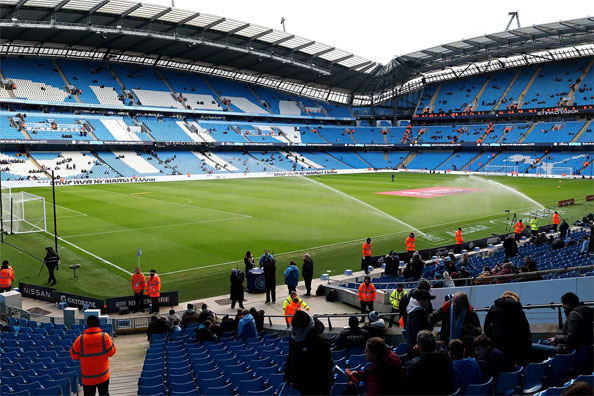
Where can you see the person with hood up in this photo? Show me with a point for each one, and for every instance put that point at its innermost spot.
(507, 327)
(291, 277)
(417, 316)
(422, 284)
(247, 326)
(376, 326)
(309, 363)
(385, 375)
(458, 320)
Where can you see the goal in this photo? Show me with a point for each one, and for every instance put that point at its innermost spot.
(22, 212)
(508, 169)
(554, 170)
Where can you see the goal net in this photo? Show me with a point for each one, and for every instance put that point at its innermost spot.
(499, 169)
(22, 212)
(554, 171)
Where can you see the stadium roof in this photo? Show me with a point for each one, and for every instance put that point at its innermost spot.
(156, 35)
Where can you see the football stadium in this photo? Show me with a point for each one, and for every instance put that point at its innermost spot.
(381, 224)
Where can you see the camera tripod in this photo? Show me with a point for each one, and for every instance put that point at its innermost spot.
(511, 222)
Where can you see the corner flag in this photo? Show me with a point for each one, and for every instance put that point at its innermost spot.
(138, 253)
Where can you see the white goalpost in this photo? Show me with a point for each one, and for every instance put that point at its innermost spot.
(499, 169)
(554, 170)
(22, 212)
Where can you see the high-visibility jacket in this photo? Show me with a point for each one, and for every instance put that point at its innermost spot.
(459, 238)
(366, 249)
(153, 286)
(410, 244)
(11, 273)
(556, 218)
(366, 292)
(93, 348)
(288, 301)
(395, 298)
(5, 278)
(138, 282)
(519, 227)
(534, 224)
(290, 311)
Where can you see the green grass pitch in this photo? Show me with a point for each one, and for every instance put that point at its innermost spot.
(193, 233)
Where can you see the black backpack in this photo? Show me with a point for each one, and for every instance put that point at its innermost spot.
(320, 290)
(332, 296)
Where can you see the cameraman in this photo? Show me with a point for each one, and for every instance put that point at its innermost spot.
(51, 261)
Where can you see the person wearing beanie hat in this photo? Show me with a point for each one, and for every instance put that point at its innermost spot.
(94, 348)
(353, 336)
(422, 284)
(376, 326)
(309, 366)
(577, 329)
(366, 296)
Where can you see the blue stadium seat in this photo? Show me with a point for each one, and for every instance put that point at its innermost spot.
(253, 385)
(157, 390)
(484, 389)
(175, 388)
(234, 378)
(226, 390)
(552, 391)
(355, 361)
(339, 388)
(275, 380)
(560, 368)
(585, 378)
(507, 382)
(266, 392)
(533, 377)
(265, 372)
(206, 384)
(150, 381)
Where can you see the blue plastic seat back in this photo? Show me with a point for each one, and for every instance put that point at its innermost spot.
(560, 367)
(226, 390)
(182, 387)
(507, 382)
(157, 390)
(484, 389)
(208, 383)
(252, 385)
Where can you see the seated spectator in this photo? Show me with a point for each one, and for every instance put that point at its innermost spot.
(205, 314)
(447, 280)
(258, 317)
(505, 269)
(172, 316)
(430, 373)
(463, 274)
(158, 326)
(204, 332)
(491, 360)
(466, 371)
(585, 242)
(352, 336)
(384, 376)
(507, 327)
(462, 323)
(309, 366)
(247, 326)
(577, 330)
(190, 316)
(486, 273)
(176, 327)
(376, 326)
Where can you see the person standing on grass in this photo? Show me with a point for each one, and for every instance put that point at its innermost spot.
(459, 240)
(94, 348)
(51, 261)
(366, 256)
(410, 246)
(138, 284)
(154, 290)
(518, 228)
(307, 272)
(556, 221)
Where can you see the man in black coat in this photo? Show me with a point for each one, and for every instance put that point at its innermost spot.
(353, 336)
(269, 266)
(511, 248)
(563, 229)
(158, 326)
(432, 372)
(507, 327)
(51, 261)
(236, 291)
(309, 364)
(307, 272)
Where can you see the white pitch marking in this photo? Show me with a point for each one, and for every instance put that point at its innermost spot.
(64, 207)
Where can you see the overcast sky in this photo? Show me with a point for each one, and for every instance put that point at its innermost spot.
(380, 29)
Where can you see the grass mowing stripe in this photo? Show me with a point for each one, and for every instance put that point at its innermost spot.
(158, 226)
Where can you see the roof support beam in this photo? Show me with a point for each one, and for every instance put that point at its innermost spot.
(206, 27)
(277, 42)
(322, 52)
(349, 56)
(300, 47)
(237, 29)
(154, 18)
(257, 36)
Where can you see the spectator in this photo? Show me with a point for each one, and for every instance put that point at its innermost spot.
(269, 265)
(577, 330)
(384, 376)
(258, 318)
(585, 243)
(447, 280)
(507, 327)
(389, 263)
(461, 323)
(511, 247)
(504, 270)
(422, 284)
(366, 296)
(463, 274)
(309, 364)
(430, 373)
(417, 317)
(563, 228)
(486, 273)
(236, 293)
(247, 326)
(205, 314)
(307, 272)
(190, 316)
(491, 360)
(172, 316)
(176, 327)
(204, 332)
(353, 336)
(158, 326)
(415, 267)
(291, 277)
(249, 262)
(376, 326)
(466, 371)
(94, 348)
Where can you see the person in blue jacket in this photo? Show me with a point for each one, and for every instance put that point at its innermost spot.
(292, 277)
(247, 326)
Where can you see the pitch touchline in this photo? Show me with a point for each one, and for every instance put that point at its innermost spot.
(176, 203)
(92, 255)
(159, 226)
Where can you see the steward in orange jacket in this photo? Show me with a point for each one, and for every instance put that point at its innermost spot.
(94, 348)
(459, 240)
(410, 246)
(518, 228)
(153, 289)
(366, 256)
(291, 309)
(138, 284)
(5, 277)
(366, 296)
(556, 221)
